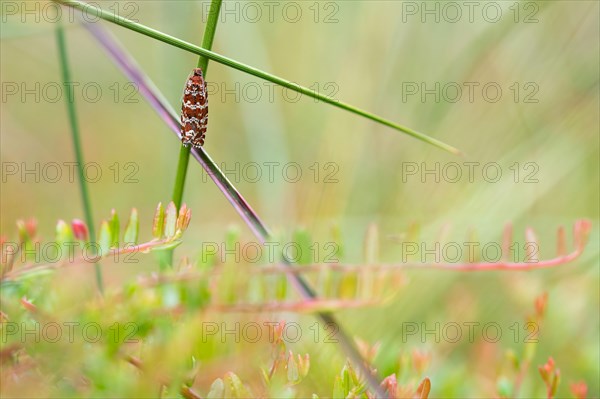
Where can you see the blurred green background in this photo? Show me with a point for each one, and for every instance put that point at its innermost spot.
(544, 56)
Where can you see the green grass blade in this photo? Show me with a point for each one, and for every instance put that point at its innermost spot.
(182, 166)
(184, 152)
(163, 37)
(76, 138)
(209, 33)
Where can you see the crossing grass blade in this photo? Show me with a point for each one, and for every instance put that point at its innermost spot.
(163, 37)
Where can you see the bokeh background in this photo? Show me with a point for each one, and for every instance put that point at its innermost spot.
(543, 55)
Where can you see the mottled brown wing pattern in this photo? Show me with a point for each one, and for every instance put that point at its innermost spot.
(194, 110)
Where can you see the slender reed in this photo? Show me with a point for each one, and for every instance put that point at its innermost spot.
(184, 152)
(76, 138)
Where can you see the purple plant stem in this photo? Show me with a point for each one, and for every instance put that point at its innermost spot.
(167, 113)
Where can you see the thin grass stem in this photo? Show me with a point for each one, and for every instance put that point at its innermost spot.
(76, 138)
(184, 152)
